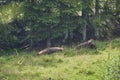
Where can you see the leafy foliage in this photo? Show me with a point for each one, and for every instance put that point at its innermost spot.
(32, 23)
(9, 13)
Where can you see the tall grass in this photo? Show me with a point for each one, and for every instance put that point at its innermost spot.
(112, 69)
(84, 64)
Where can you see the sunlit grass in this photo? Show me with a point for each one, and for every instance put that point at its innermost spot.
(67, 65)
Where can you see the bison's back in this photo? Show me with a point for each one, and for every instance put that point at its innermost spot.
(50, 50)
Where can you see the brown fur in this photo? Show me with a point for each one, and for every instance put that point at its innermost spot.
(50, 50)
(89, 44)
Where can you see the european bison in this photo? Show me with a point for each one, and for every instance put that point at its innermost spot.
(50, 50)
(88, 44)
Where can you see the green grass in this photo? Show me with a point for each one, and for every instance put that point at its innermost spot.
(84, 64)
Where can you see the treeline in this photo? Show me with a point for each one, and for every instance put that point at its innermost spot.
(44, 23)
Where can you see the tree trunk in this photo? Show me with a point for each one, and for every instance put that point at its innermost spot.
(66, 36)
(97, 35)
(84, 16)
(48, 42)
(71, 34)
(85, 30)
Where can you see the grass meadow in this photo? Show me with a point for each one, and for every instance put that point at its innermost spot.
(71, 64)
